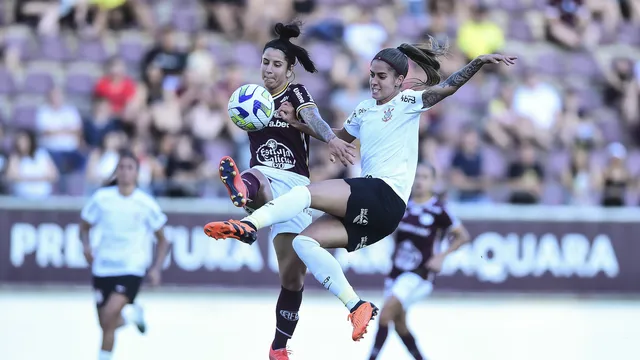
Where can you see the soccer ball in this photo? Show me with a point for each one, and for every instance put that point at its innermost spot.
(251, 107)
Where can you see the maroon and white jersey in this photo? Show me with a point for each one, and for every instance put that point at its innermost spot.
(418, 235)
(279, 145)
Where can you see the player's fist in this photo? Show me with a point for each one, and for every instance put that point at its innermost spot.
(286, 112)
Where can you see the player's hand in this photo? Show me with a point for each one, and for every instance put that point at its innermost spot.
(155, 276)
(342, 150)
(287, 113)
(498, 58)
(435, 263)
(88, 254)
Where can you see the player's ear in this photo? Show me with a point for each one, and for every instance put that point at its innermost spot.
(290, 71)
(399, 80)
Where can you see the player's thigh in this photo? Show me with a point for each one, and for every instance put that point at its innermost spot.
(330, 196)
(291, 269)
(265, 193)
(390, 310)
(328, 231)
(409, 288)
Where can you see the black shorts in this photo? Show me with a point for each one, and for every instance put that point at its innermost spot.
(374, 211)
(127, 285)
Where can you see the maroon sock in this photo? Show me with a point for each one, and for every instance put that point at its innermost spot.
(410, 342)
(252, 183)
(381, 337)
(287, 309)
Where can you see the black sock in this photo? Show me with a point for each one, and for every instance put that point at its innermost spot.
(286, 316)
(381, 337)
(410, 342)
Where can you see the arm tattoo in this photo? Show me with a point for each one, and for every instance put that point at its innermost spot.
(435, 94)
(312, 117)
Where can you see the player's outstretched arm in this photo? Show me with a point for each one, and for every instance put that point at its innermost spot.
(322, 130)
(435, 94)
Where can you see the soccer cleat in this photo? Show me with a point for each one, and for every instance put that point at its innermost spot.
(232, 229)
(230, 176)
(137, 317)
(360, 318)
(280, 354)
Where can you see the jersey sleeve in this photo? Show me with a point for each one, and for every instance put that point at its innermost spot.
(91, 212)
(447, 219)
(352, 124)
(156, 219)
(412, 101)
(301, 98)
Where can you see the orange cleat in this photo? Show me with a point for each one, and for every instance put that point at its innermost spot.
(360, 318)
(230, 176)
(280, 354)
(232, 229)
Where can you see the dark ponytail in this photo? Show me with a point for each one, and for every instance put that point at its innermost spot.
(291, 51)
(425, 55)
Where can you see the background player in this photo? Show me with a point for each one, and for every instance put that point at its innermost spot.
(279, 162)
(416, 258)
(361, 211)
(124, 215)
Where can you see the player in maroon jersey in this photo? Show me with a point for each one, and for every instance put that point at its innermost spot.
(416, 258)
(280, 161)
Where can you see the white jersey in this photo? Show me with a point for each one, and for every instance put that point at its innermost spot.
(124, 224)
(388, 136)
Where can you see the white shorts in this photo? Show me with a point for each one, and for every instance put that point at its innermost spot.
(281, 182)
(408, 287)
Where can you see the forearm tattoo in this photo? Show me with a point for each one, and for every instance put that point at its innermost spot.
(435, 94)
(312, 117)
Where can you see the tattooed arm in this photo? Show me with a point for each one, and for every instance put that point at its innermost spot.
(435, 94)
(315, 125)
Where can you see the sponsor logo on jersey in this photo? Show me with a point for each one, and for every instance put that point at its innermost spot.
(276, 155)
(299, 95)
(408, 99)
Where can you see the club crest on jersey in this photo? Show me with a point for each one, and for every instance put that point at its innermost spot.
(388, 114)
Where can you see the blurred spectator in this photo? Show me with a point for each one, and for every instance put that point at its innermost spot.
(343, 101)
(4, 160)
(569, 24)
(101, 122)
(539, 103)
(116, 87)
(504, 127)
(616, 179)
(574, 126)
(630, 10)
(206, 118)
(525, 176)
(200, 62)
(467, 169)
(479, 35)
(581, 179)
(363, 34)
(226, 16)
(59, 128)
(31, 171)
(166, 56)
(150, 170)
(623, 91)
(183, 169)
(103, 160)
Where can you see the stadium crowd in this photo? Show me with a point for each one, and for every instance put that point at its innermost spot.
(81, 79)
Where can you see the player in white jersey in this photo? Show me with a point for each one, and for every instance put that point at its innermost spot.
(124, 217)
(361, 211)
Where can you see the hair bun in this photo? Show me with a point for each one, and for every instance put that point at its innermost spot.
(286, 32)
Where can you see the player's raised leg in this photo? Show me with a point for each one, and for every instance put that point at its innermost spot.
(326, 233)
(330, 196)
(248, 189)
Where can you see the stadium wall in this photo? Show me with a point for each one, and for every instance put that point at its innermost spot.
(536, 249)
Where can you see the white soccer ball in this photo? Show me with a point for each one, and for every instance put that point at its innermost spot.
(251, 107)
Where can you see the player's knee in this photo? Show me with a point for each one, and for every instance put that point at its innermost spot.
(387, 316)
(301, 244)
(109, 320)
(302, 192)
(401, 327)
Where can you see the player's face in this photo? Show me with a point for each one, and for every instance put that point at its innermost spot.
(424, 181)
(274, 69)
(383, 81)
(127, 171)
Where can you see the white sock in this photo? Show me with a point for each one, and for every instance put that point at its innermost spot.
(326, 269)
(104, 355)
(281, 209)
